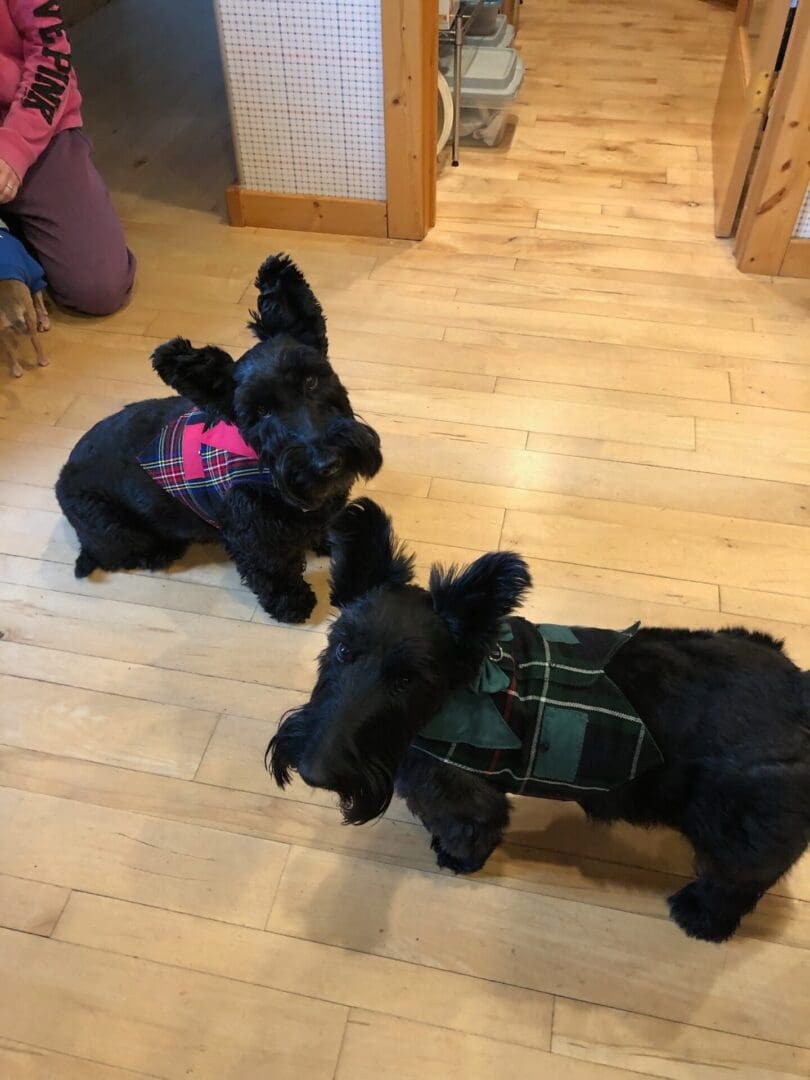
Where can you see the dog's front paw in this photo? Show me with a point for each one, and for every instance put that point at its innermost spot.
(446, 861)
(295, 606)
(696, 911)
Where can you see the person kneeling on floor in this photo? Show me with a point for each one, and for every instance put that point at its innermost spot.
(50, 190)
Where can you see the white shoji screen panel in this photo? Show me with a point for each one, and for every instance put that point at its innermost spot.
(802, 230)
(305, 81)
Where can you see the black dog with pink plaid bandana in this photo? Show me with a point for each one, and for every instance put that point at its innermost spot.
(259, 453)
(445, 697)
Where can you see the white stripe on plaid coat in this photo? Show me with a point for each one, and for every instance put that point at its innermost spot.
(543, 718)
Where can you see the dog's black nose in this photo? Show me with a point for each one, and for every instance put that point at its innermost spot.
(313, 774)
(329, 466)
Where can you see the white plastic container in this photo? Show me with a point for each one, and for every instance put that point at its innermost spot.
(490, 81)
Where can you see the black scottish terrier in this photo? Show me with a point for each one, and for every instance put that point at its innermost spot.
(725, 718)
(259, 453)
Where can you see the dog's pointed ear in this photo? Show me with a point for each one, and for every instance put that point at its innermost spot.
(473, 601)
(365, 553)
(204, 375)
(287, 305)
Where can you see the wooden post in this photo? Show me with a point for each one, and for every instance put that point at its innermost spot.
(410, 31)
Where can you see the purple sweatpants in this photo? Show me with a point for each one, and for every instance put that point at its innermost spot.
(66, 217)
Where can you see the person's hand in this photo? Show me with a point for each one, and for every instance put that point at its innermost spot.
(9, 182)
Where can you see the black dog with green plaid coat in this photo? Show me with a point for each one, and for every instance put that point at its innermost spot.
(429, 693)
(542, 718)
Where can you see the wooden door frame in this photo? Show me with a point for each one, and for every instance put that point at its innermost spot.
(782, 172)
(742, 102)
(410, 62)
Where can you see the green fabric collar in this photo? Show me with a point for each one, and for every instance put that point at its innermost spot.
(470, 716)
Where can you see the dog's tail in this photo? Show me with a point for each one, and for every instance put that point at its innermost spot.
(85, 564)
(287, 305)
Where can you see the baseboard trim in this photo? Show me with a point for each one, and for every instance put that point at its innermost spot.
(306, 213)
(797, 259)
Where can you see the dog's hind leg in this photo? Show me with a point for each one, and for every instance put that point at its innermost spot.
(747, 831)
(32, 326)
(13, 362)
(711, 909)
(112, 539)
(43, 318)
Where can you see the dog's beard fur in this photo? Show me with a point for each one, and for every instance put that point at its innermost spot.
(360, 445)
(363, 781)
(294, 479)
(285, 748)
(294, 465)
(370, 794)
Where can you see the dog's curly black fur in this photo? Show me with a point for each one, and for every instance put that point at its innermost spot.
(730, 712)
(288, 405)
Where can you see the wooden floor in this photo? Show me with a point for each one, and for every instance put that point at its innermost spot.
(569, 365)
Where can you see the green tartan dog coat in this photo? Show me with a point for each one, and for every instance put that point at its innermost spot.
(542, 718)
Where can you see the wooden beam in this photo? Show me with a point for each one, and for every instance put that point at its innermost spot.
(306, 213)
(782, 171)
(410, 77)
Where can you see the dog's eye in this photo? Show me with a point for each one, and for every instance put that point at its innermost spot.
(310, 383)
(342, 653)
(402, 684)
(262, 411)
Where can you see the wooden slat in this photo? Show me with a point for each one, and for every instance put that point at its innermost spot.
(21, 1061)
(389, 1048)
(459, 1002)
(30, 906)
(158, 1020)
(310, 213)
(103, 727)
(651, 1047)
(132, 856)
(615, 959)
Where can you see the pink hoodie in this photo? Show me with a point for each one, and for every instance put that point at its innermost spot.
(39, 96)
